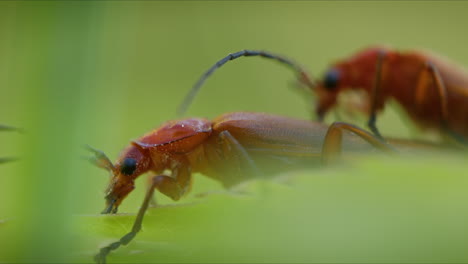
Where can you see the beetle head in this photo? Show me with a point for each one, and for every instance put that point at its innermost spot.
(327, 91)
(132, 163)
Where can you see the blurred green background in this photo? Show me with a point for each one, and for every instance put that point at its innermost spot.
(103, 73)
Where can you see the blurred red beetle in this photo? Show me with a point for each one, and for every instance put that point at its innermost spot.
(432, 90)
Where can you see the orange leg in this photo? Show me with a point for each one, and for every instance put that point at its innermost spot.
(430, 72)
(153, 202)
(332, 144)
(234, 161)
(236, 151)
(376, 94)
(174, 187)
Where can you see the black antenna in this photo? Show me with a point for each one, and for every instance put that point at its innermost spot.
(303, 76)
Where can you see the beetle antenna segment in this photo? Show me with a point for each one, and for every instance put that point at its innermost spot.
(303, 76)
(100, 159)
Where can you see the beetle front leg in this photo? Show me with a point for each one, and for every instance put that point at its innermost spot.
(103, 252)
(153, 202)
(168, 186)
(376, 94)
(174, 187)
(332, 144)
(430, 72)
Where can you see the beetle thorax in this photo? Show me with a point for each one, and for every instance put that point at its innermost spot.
(161, 161)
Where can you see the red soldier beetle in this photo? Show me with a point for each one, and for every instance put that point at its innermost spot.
(231, 149)
(432, 90)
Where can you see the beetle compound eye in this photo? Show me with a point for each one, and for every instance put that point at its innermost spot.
(128, 166)
(331, 79)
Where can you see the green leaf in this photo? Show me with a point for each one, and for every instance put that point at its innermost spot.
(377, 210)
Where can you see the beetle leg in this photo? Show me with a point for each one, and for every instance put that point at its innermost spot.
(176, 185)
(332, 144)
(169, 187)
(431, 71)
(153, 202)
(231, 144)
(235, 155)
(103, 252)
(376, 94)
(173, 187)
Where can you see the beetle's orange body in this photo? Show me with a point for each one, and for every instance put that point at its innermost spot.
(231, 149)
(400, 77)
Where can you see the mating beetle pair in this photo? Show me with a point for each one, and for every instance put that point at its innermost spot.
(239, 146)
